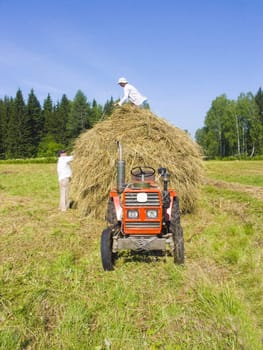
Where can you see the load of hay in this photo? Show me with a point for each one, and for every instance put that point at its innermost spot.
(147, 140)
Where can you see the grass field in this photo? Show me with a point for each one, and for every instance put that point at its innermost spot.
(55, 295)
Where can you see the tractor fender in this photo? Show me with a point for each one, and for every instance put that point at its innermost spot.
(116, 200)
(169, 210)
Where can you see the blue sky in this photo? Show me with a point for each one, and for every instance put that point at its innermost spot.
(180, 54)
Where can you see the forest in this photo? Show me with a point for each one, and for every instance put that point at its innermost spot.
(232, 128)
(28, 130)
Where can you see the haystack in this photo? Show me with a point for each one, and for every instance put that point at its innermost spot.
(147, 140)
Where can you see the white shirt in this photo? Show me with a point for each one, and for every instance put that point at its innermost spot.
(133, 95)
(63, 167)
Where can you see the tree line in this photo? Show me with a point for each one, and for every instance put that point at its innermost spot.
(233, 127)
(29, 130)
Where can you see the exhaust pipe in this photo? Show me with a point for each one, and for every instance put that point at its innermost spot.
(120, 170)
(165, 193)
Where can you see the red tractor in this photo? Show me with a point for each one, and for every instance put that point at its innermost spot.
(141, 216)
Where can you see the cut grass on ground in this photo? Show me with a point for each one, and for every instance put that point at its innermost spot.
(55, 295)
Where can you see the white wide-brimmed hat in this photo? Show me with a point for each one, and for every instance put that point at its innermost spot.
(122, 80)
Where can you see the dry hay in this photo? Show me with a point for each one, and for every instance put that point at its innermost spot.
(146, 140)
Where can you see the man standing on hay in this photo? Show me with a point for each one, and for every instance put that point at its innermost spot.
(64, 175)
(131, 94)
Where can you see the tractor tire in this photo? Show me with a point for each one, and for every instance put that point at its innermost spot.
(177, 231)
(111, 214)
(107, 256)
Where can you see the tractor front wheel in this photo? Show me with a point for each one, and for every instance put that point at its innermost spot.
(107, 256)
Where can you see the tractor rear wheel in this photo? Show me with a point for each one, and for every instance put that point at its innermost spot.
(107, 256)
(177, 231)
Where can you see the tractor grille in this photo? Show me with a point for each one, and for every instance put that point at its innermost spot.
(144, 224)
(152, 200)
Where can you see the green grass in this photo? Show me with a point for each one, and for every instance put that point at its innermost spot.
(44, 160)
(55, 295)
(240, 171)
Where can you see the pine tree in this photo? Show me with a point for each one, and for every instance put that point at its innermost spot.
(62, 113)
(95, 113)
(36, 119)
(19, 137)
(78, 119)
(48, 116)
(2, 117)
(108, 108)
(8, 111)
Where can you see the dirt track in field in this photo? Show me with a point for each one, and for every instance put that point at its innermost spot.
(254, 191)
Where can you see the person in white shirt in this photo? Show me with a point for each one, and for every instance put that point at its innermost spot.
(131, 94)
(64, 175)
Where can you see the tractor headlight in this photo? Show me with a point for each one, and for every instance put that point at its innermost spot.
(151, 214)
(133, 214)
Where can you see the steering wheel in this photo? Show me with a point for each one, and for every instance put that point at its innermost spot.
(145, 171)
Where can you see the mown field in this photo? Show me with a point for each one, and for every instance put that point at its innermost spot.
(55, 295)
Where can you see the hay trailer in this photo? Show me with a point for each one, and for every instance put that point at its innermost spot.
(141, 216)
